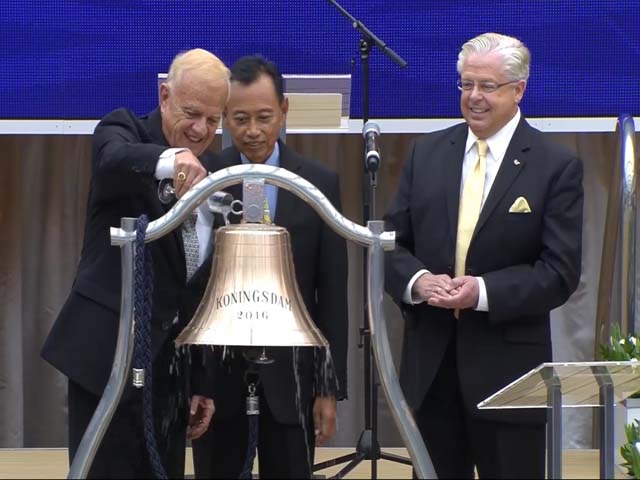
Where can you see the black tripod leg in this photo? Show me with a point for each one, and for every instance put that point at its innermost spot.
(335, 461)
(359, 457)
(395, 458)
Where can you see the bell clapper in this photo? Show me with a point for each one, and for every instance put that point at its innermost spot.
(258, 356)
(263, 358)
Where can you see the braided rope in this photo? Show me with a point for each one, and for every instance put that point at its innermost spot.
(252, 446)
(142, 296)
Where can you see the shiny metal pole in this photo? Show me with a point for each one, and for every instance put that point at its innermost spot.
(628, 209)
(607, 405)
(119, 371)
(554, 425)
(619, 239)
(384, 360)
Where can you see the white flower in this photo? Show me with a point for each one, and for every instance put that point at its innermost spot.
(633, 340)
(622, 341)
(637, 445)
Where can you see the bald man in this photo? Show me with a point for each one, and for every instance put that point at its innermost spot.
(130, 155)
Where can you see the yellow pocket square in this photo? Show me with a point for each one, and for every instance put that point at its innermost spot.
(520, 206)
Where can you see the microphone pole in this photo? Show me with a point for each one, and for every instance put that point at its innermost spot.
(368, 447)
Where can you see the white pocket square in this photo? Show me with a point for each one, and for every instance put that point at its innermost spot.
(520, 206)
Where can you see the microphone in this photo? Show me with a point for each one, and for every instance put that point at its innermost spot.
(371, 132)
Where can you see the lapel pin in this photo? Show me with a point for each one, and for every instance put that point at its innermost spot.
(516, 162)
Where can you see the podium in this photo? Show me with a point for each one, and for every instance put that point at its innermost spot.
(572, 385)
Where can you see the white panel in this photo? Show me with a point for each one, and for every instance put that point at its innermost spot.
(408, 125)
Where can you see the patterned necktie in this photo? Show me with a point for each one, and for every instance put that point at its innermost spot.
(470, 203)
(190, 242)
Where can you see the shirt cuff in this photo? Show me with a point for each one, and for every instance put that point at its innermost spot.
(407, 297)
(483, 301)
(164, 167)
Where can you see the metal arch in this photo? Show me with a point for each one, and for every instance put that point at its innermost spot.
(373, 237)
(273, 175)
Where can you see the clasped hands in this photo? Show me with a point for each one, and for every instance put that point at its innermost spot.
(446, 292)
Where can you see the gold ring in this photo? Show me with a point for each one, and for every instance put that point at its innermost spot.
(182, 176)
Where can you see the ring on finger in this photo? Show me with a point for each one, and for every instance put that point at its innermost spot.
(181, 176)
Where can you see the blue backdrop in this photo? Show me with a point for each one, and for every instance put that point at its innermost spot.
(78, 59)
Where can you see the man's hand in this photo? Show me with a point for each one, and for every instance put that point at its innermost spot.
(324, 419)
(200, 412)
(428, 285)
(187, 171)
(464, 294)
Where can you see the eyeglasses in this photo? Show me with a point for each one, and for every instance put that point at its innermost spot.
(483, 87)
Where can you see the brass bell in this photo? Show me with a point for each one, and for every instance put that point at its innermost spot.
(252, 297)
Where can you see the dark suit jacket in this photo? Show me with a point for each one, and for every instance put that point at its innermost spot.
(82, 341)
(530, 262)
(320, 259)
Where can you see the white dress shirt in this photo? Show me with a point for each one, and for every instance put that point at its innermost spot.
(497, 147)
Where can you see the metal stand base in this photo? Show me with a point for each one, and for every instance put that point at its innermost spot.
(366, 449)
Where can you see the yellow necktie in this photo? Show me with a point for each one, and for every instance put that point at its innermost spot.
(267, 213)
(470, 202)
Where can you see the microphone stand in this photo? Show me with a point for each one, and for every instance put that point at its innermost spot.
(368, 447)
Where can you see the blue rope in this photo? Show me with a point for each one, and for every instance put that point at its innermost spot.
(142, 297)
(252, 446)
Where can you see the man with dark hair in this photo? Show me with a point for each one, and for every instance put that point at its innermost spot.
(130, 155)
(255, 114)
(488, 218)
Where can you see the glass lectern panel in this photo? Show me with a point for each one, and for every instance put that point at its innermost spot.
(579, 383)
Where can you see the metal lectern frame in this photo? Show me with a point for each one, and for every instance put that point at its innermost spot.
(373, 237)
(572, 384)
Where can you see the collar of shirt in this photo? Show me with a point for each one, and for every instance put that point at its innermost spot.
(497, 143)
(271, 191)
(273, 160)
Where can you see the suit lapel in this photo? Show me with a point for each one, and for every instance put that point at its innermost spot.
(154, 125)
(453, 174)
(286, 205)
(174, 239)
(508, 171)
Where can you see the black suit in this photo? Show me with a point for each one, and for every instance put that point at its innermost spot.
(320, 260)
(82, 341)
(530, 263)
